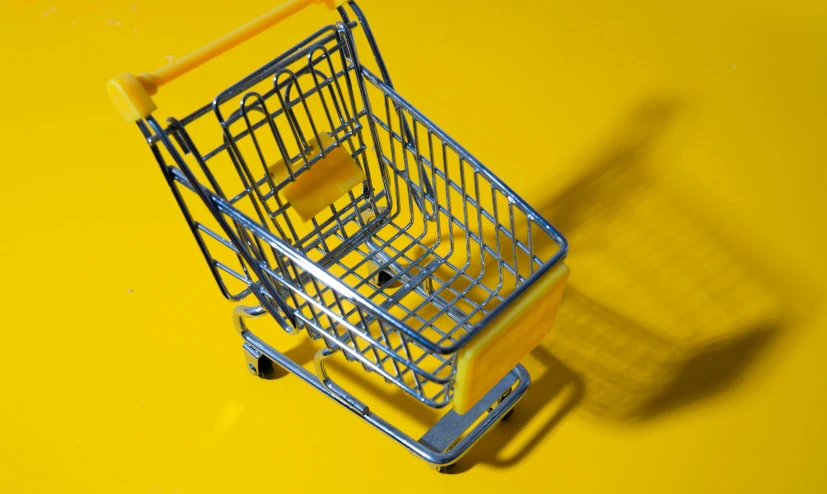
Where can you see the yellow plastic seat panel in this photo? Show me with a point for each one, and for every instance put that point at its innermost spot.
(324, 183)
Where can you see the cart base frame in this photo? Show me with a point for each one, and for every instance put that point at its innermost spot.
(441, 446)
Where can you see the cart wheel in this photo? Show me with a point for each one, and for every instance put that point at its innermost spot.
(266, 369)
(444, 468)
(383, 277)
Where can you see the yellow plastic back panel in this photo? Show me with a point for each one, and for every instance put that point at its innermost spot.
(485, 360)
(326, 181)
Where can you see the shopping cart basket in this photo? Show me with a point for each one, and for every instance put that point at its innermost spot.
(349, 216)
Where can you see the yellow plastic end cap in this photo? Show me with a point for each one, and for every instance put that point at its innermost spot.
(508, 339)
(130, 96)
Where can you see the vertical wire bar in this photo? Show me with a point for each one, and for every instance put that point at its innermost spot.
(529, 225)
(514, 243)
(497, 236)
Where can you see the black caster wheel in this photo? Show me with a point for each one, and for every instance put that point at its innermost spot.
(444, 468)
(266, 368)
(500, 400)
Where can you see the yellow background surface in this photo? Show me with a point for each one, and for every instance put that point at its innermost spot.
(119, 368)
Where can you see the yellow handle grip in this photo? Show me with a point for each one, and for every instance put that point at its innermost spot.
(132, 95)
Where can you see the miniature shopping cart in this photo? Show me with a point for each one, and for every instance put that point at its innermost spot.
(312, 187)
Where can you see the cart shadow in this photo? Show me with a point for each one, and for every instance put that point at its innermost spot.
(662, 311)
(630, 375)
(711, 372)
(663, 308)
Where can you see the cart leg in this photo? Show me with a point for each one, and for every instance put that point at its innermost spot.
(499, 401)
(258, 363)
(444, 468)
(345, 398)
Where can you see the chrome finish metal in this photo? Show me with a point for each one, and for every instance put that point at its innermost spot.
(399, 273)
(346, 398)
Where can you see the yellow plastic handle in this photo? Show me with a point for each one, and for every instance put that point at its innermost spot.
(132, 95)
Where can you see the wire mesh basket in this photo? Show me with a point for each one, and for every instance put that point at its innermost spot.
(314, 187)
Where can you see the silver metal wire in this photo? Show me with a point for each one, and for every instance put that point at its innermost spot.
(401, 271)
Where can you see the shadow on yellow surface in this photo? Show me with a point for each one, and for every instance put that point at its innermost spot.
(663, 308)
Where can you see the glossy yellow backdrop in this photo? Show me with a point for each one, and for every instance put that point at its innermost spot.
(119, 367)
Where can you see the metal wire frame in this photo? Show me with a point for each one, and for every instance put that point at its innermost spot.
(436, 219)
